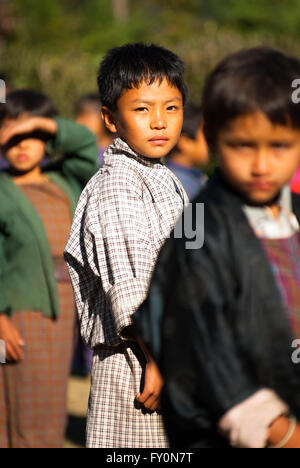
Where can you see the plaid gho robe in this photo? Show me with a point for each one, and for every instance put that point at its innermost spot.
(124, 215)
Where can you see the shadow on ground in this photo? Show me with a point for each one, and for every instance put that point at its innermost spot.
(76, 430)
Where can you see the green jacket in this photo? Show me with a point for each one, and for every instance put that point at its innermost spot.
(27, 279)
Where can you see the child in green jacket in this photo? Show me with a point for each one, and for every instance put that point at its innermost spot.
(37, 199)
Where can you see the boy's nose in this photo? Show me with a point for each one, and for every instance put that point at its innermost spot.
(158, 121)
(22, 143)
(261, 163)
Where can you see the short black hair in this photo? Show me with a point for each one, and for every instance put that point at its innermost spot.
(125, 67)
(91, 100)
(25, 101)
(251, 80)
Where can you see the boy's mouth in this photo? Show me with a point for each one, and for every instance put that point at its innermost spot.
(159, 140)
(22, 158)
(263, 186)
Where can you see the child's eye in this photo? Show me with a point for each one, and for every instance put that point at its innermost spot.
(241, 145)
(280, 145)
(141, 109)
(171, 108)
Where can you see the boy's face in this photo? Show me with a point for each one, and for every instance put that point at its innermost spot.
(148, 118)
(257, 157)
(27, 153)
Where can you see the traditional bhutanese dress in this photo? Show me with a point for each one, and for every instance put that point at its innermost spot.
(280, 238)
(122, 220)
(218, 320)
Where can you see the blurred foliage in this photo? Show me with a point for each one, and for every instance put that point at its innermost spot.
(56, 45)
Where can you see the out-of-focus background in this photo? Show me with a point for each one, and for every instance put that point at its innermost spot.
(55, 45)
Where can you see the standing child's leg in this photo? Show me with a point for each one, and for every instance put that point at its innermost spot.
(36, 387)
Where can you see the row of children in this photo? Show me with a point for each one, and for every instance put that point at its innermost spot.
(191, 150)
(219, 321)
(46, 162)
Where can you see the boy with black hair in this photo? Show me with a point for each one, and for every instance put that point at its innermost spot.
(220, 321)
(122, 219)
(190, 151)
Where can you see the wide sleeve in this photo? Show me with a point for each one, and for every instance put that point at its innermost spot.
(124, 246)
(4, 305)
(188, 323)
(79, 146)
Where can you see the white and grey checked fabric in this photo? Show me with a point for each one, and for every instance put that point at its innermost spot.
(114, 418)
(123, 217)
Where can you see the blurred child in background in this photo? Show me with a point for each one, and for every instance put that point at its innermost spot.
(190, 151)
(87, 110)
(36, 297)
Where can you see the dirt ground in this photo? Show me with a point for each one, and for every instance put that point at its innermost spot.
(78, 394)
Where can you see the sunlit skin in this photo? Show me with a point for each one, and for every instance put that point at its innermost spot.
(149, 118)
(258, 158)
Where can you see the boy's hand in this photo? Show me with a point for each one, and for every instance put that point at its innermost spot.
(27, 125)
(150, 398)
(13, 341)
(247, 424)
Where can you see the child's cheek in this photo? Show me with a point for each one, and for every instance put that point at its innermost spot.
(10, 155)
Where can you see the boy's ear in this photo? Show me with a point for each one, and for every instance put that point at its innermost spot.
(108, 118)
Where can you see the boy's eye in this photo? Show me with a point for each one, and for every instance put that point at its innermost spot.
(141, 109)
(280, 145)
(241, 145)
(171, 108)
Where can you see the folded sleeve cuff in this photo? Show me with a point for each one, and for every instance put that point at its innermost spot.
(125, 297)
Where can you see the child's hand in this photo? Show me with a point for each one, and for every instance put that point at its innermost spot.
(246, 425)
(150, 398)
(13, 341)
(27, 125)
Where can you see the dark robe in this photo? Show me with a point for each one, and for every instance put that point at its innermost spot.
(215, 322)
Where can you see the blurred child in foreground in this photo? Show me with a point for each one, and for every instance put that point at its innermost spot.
(37, 308)
(190, 151)
(221, 320)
